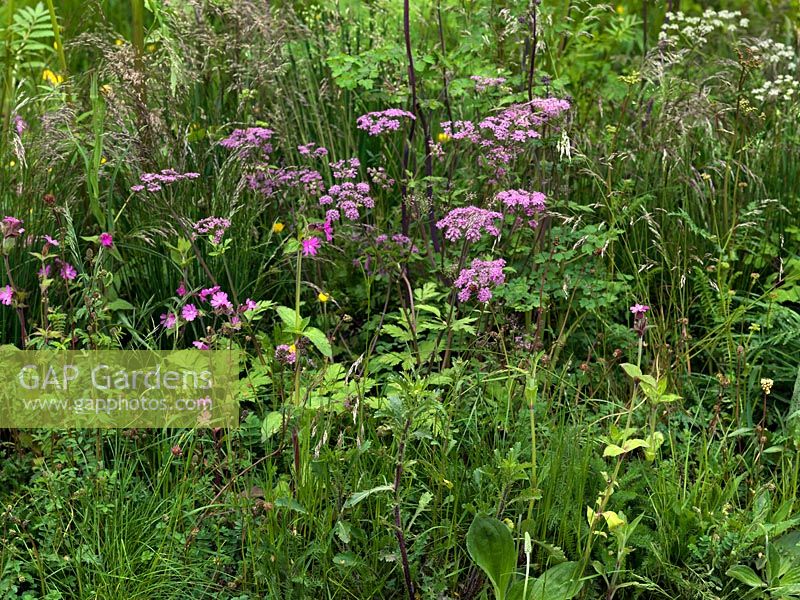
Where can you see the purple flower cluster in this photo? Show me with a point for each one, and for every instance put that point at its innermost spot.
(286, 354)
(311, 149)
(469, 222)
(213, 226)
(154, 182)
(273, 179)
(482, 83)
(349, 197)
(398, 239)
(479, 278)
(523, 202)
(376, 123)
(247, 141)
(346, 168)
(20, 125)
(505, 135)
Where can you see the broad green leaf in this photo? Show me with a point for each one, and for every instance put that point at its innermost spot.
(557, 583)
(490, 545)
(633, 371)
(289, 316)
(271, 425)
(320, 340)
(746, 575)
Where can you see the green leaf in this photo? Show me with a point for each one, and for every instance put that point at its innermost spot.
(490, 545)
(359, 496)
(320, 340)
(746, 575)
(633, 371)
(291, 504)
(120, 304)
(271, 425)
(289, 316)
(557, 583)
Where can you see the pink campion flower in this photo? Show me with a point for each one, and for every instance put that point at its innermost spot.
(106, 240)
(248, 305)
(639, 309)
(220, 301)
(469, 222)
(311, 246)
(44, 272)
(68, 272)
(181, 291)
(168, 320)
(50, 241)
(205, 293)
(200, 345)
(479, 278)
(328, 229)
(6, 295)
(189, 312)
(376, 123)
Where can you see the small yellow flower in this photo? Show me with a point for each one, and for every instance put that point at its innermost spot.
(151, 48)
(106, 89)
(103, 160)
(51, 77)
(620, 9)
(442, 138)
(277, 227)
(323, 297)
(55, 45)
(509, 523)
(13, 163)
(119, 42)
(292, 348)
(613, 520)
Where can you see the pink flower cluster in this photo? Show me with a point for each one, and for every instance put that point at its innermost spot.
(469, 222)
(213, 226)
(505, 135)
(6, 295)
(285, 354)
(249, 140)
(346, 168)
(399, 240)
(311, 149)
(524, 202)
(273, 179)
(349, 197)
(482, 83)
(479, 278)
(154, 182)
(376, 123)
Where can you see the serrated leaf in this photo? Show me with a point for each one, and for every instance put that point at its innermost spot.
(320, 340)
(288, 316)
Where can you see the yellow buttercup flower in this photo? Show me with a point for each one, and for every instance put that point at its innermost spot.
(277, 227)
(620, 9)
(103, 160)
(442, 138)
(51, 77)
(118, 42)
(323, 297)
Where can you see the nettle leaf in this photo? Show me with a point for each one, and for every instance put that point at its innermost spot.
(271, 425)
(320, 340)
(746, 575)
(490, 545)
(288, 316)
